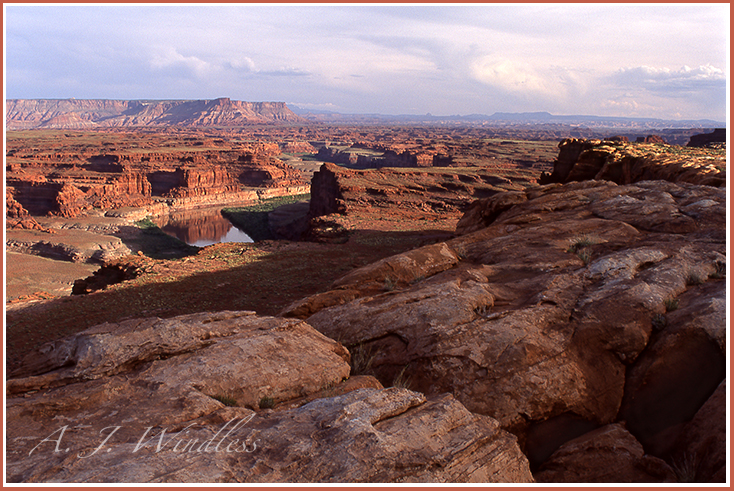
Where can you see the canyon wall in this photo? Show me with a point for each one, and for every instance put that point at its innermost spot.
(68, 185)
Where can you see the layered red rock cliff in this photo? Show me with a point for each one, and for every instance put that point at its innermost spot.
(72, 180)
(24, 114)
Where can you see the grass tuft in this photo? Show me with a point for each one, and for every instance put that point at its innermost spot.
(693, 279)
(225, 399)
(585, 256)
(401, 380)
(719, 270)
(686, 469)
(659, 322)
(361, 361)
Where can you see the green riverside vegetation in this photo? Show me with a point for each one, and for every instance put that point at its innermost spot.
(253, 220)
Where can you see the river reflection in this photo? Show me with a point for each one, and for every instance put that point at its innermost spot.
(201, 227)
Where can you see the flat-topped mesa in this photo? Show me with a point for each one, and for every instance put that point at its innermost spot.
(626, 163)
(24, 114)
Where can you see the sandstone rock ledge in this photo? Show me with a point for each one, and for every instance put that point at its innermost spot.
(144, 401)
(558, 310)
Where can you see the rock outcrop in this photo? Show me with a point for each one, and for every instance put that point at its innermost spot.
(17, 217)
(23, 114)
(557, 303)
(625, 163)
(705, 139)
(609, 454)
(209, 398)
(651, 139)
(341, 197)
(72, 245)
(701, 445)
(384, 158)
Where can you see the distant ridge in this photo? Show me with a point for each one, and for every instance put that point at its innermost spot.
(505, 118)
(22, 114)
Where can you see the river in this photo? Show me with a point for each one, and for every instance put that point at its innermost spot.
(200, 227)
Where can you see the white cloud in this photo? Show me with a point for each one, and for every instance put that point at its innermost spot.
(170, 58)
(551, 88)
(665, 79)
(244, 62)
(561, 58)
(508, 75)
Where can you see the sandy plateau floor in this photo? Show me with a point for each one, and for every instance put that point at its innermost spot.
(27, 274)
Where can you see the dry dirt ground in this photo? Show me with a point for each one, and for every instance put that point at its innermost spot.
(264, 277)
(27, 275)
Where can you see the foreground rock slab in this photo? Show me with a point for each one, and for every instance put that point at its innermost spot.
(190, 399)
(554, 304)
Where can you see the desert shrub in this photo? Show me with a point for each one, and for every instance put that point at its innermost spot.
(389, 284)
(581, 241)
(693, 278)
(266, 402)
(226, 399)
(671, 304)
(659, 322)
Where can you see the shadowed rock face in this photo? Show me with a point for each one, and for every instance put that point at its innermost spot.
(609, 454)
(144, 401)
(705, 139)
(552, 303)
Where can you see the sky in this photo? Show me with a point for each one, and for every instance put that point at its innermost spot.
(668, 61)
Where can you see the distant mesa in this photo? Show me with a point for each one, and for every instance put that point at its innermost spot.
(25, 114)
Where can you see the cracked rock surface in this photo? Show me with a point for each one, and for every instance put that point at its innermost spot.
(588, 300)
(234, 397)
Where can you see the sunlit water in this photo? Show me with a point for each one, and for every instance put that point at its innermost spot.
(201, 228)
(233, 235)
